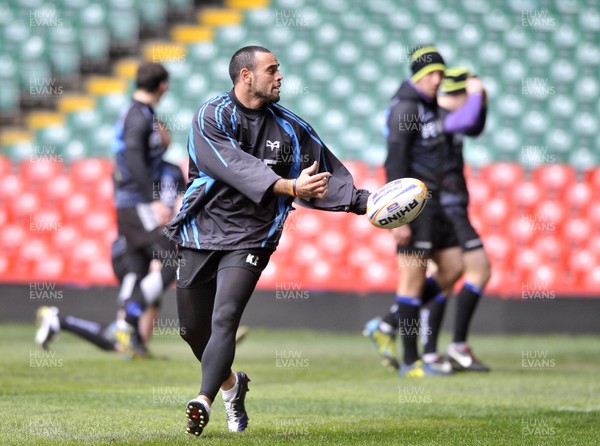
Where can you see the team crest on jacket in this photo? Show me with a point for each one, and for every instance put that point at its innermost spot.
(272, 144)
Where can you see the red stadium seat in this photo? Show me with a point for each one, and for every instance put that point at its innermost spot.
(37, 174)
(549, 216)
(57, 190)
(87, 173)
(77, 261)
(546, 279)
(479, 192)
(495, 214)
(5, 166)
(65, 240)
(360, 229)
(334, 246)
(100, 272)
(592, 214)
(577, 232)
(50, 267)
(499, 249)
(579, 198)
(593, 179)
(45, 222)
(581, 264)
(4, 217)
(521, 231)
(23, 208)
(11, 238)
(358, 170)
(502, 177)
(591, 281)
(31, 252)
(307, 253)
(551, 250)
(11, 187)
(526, 196)
(103, 194)
(378, 275)
(525, 261)
(75, 208)
(554, 179)
(98, 223)
(304, 224)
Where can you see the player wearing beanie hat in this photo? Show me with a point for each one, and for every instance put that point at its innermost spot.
(416, 145)
(462, 102)
(424, 60)
(455, 80)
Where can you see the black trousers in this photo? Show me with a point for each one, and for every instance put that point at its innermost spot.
(213, 289)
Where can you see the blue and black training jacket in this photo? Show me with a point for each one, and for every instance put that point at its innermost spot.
(236, 156)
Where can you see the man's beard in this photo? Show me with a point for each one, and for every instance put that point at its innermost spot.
(268, 98)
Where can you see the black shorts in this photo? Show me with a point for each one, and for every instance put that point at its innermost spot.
(467, 235)
(201, 266)
(431, 231)
(139, 227)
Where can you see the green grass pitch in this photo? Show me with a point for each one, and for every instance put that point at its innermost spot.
(307, 388)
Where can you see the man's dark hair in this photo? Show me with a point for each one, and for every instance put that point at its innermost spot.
(150, 75)
(244, 58)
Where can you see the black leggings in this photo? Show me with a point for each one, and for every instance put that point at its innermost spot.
(209, 316)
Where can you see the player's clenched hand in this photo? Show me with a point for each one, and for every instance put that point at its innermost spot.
(312, 186)
(402, 235)
(474, 85)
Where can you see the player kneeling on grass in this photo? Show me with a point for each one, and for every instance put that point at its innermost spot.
(249, 160)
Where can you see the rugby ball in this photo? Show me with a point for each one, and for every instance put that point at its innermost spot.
(397, 203)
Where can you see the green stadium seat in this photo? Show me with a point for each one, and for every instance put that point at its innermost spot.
(19, 151)
(584, 159)
(373, 37)
(585, 124)
(362, 105)
(535, 122)
(231, 37)
(587, 90)
(402, 19)
(561, 106)
(477, 154)
(156, 16)
(259, 18)
(111, 106)
(9, 100)
(84, 121)
(202, 53)
(51, 141)
(540, 54)
(491, 54)
(311, 106)
(565, 37)
(510, 105)
(469, 35)
(563, 72)
(559, 142)
(347, 53)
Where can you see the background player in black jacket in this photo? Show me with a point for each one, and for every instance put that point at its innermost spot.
(463, 102)
(104, 336)
(141, 215)
(416, 146)
(249, 160)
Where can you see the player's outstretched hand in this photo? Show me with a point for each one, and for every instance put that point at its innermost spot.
(312, 185)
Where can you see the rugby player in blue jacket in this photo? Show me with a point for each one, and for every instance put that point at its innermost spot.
(250, 159)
